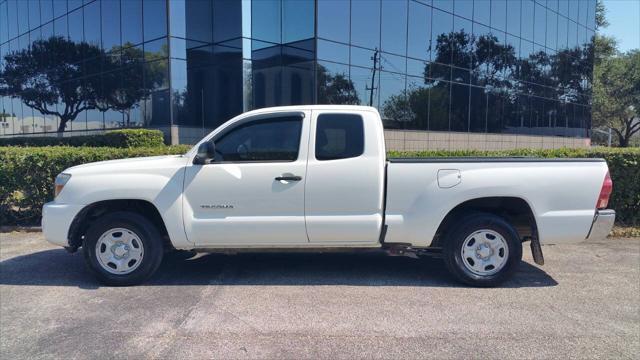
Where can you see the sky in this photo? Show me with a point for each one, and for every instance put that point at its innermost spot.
(624, 23)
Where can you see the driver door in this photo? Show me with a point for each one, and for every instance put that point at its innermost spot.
(253, 193)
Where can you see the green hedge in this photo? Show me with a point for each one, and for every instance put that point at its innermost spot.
(124, 138)
(27, 174)
(624, 167)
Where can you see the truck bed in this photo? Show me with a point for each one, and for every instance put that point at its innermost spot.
(498, 159)
(561, 193)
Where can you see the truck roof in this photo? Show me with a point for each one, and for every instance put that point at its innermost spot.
(312, 107)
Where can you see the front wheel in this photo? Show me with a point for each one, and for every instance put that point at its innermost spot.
(482, 250)
(123, 248)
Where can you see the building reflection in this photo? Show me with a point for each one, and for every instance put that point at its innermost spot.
(484, 66)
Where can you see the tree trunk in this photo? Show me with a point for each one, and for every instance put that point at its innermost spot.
(63, 124)
(623, 141)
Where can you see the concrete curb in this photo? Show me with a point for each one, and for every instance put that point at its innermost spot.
(29, 229)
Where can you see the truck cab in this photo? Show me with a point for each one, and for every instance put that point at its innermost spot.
(289, 178)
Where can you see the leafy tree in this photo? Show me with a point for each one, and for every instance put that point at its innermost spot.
(48, 77)
(616, 98)
(335, 88)
(127, 80)
(603, 46)
(51, 77)
(601, 15)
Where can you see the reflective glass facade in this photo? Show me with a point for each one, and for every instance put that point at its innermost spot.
(484, 66)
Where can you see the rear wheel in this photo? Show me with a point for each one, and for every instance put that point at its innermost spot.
(123, 248)
(482, 250)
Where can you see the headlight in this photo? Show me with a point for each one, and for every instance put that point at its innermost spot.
(61, 181)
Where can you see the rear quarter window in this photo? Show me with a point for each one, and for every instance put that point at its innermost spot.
(339, 136)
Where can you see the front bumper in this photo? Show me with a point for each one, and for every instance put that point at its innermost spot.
(56, 221)
(602, 224)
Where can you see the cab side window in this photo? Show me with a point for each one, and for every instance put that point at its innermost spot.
(272, 139)
(339, 136)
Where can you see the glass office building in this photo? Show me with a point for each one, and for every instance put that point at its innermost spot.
(519, 67)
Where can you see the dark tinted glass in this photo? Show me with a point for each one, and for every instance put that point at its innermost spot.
(499, 14)
(394, 26)
(540, 26)
(74, 4)
(110, 24)
(274, 139)
(297, 20)
(332, 51)
(227, 20)
(92, 33)
(339, 136)
(4, 33)
(441, 29)
(76, 27)
(495, 107)
(365, 23)
(46, 10)
(131, 22)
(527, 19)
(439, 107)
(552, 29)
(419, 31)
(460, 48)
(59, 8)
(23, 16)
(34, 13)
(197, 23)
(478, 113)
(392, 99)
(444, 5)
(463, 8)
(459, 108)
(513, 17)
(361, 79)
(60, 27)
(155, 19)
(482, 11)
(266, 20)
(333, 20)
(12, 19)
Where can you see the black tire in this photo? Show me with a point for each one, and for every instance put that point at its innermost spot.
(152, 246)
(464, 228)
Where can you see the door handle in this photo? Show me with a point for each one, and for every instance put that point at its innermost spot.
(288, 178)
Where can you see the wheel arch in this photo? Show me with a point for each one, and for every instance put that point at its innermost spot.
(516, 210)
(91, 212)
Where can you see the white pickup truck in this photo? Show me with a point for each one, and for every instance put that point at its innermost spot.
(316, 178)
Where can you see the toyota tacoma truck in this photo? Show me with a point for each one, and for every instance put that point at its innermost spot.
(317, 178)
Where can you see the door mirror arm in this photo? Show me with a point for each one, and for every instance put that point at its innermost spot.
(206, 153)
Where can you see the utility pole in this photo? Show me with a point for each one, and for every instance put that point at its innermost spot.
(373, 77)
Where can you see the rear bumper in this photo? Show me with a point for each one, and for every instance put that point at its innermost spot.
(56, 221)
(602, 224)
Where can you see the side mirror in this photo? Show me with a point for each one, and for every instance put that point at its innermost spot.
(206, 153)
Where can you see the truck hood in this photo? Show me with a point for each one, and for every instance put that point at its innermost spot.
(148, 164)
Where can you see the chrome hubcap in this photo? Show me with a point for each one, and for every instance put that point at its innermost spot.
(484, 252)
(119, 251)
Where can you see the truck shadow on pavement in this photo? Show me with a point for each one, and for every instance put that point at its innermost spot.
(58, 268)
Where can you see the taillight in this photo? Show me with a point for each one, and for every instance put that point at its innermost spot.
(605, 192)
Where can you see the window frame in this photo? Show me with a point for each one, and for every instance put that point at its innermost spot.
(315, 140)
(260, 120)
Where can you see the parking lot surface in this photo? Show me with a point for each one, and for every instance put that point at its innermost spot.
(584, 303)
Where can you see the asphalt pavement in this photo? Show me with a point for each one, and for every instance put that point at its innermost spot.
(583, 303)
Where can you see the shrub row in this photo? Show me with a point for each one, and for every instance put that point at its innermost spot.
(124, 138)
(27, 174)
(624, 167)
